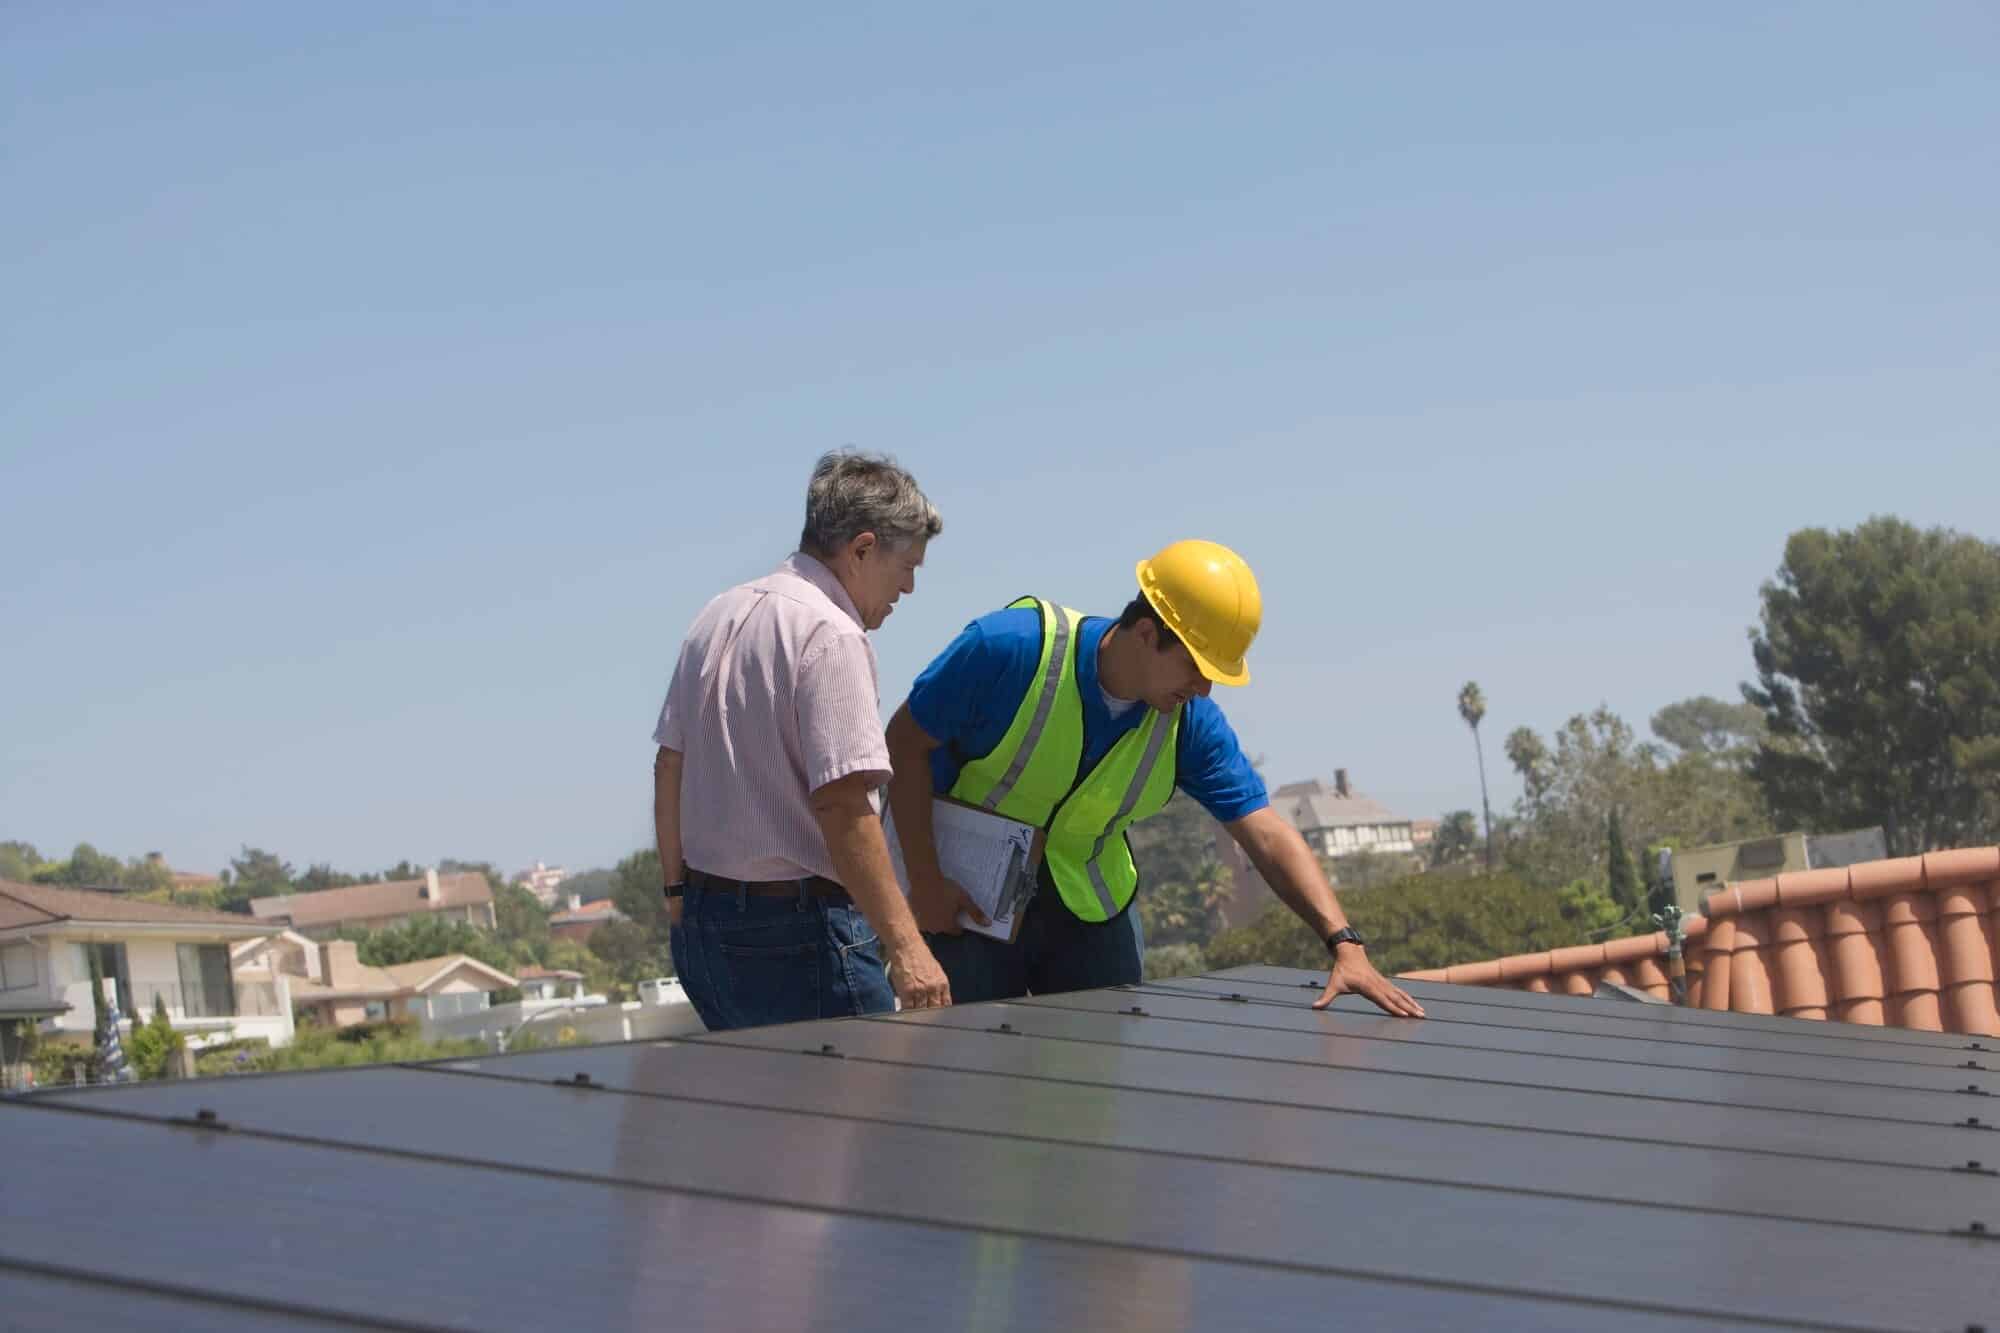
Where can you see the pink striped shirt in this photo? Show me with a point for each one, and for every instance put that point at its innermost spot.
(775, 695)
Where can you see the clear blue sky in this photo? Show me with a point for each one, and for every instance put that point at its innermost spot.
(385, 387)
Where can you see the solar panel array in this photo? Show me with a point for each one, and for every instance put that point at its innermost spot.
(1199, 1153)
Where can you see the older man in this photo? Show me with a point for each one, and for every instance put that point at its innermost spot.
(766, 785)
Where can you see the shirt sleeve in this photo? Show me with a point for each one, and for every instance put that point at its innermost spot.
(668, 730)
(1211, 767)
(977, 682)
(839, 712)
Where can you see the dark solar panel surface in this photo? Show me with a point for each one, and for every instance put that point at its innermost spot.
(1224, 1157)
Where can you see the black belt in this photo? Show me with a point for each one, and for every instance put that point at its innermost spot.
(812, 886)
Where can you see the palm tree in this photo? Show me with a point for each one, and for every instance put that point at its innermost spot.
(1472, 707)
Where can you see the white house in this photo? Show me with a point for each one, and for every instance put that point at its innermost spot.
(148, 953)
(1339, 821)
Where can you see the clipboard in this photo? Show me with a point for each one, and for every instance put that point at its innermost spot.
(993, 857)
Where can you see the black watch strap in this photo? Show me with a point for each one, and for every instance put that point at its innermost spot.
(675, 889)
(1345, 935)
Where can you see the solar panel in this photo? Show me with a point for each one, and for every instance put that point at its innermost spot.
(1060, 1162)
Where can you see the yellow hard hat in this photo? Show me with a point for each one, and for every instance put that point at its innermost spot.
(1209, 597)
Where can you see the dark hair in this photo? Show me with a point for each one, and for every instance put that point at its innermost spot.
(1139, 609)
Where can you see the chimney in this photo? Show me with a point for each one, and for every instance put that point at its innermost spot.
(341, 961)
(1340, 783)
(430, 889)
(156, 858)
(575, 901)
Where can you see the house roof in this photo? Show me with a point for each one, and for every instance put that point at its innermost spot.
(366, 902)
(412, 978)
(1314, 805)
(1201, 1153)
(1911, 942)
(46, 904)
(547, 974)
(604, 909)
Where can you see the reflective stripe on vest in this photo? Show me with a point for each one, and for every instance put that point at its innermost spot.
(1033, 775)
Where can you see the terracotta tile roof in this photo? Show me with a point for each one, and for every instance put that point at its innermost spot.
(41, 904)
(365, 902)
(545, 973)
(1910, 942)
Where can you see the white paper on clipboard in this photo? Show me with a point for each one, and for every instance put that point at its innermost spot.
(990, 855)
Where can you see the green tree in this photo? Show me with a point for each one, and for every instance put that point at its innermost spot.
(1704, 725)
(87, 868)
(1176, 846)
(1420, 922)
(254, 874)
(321, 876)
(1878, 674)
(1621, 876)
(19, 861)
(1177, 912)
(638, 892)
(1472, 710)
(154, 1044)
(632, 954)
(1596, 766)
(428, 937)
(1365, 869)
(521, 922)
(1456, 840)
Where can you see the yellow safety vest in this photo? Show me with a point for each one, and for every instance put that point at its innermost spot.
(1034, 775)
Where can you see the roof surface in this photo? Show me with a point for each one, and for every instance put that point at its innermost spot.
(364, 902)
(43, 904)
(1911, 942)
(1314, 805)
(396, 979)
(1206, 1153)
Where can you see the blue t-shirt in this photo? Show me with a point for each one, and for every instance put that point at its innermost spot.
(968, 695)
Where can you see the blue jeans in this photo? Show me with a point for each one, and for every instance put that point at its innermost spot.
(746, 960)
(1054, 951)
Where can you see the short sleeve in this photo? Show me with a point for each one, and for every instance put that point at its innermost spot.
(839, 712)
(1211, 767)
(668, 731)
(967, 695)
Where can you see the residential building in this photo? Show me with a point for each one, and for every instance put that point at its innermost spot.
(1334, 820)
(322, 915)
(582, 920)
(184, 880)
(348, 991)
(148, 952)
(561, 1012)
(544, 881)
(1339, 821)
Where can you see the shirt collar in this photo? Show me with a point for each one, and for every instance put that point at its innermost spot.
(814, 571)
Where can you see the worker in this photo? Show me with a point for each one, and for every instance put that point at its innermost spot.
(781, 895)
(1081, 726)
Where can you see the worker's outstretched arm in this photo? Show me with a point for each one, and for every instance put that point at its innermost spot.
(935, 898)
(1293, 872)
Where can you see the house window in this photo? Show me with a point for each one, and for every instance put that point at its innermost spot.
(455, 1004)
(17, 966)
(206, 989)
(375, 1009)
(111, 961)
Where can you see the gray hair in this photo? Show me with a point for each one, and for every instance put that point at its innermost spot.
(852, 493)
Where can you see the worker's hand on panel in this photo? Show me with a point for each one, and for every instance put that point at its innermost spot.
(1354, 974)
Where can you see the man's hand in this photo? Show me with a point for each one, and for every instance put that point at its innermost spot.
(918, 980)
(1353, 973)
(936, 901)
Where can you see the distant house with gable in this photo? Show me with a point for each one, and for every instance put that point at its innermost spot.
(464, 896)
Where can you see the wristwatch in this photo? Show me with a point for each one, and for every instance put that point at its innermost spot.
(1345, 935)
(675, 890)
